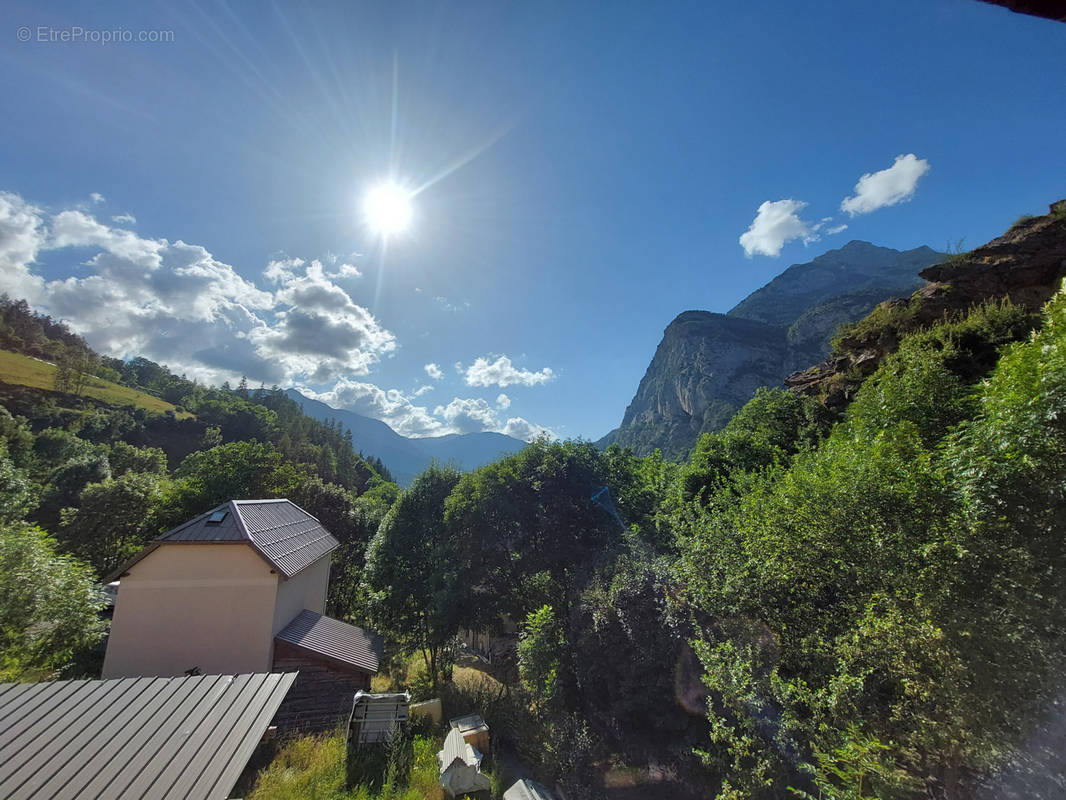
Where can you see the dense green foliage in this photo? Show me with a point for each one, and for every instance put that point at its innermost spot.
(48, 605)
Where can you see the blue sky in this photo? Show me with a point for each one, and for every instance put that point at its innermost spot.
(587, 173)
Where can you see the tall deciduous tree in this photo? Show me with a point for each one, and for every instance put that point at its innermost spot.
(48, 605)
(420, 572)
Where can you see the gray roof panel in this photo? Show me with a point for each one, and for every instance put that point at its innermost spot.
(334, 639)
(284, 534)
(133, 737)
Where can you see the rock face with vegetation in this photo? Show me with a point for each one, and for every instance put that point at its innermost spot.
(709, 365)
(1026, 265)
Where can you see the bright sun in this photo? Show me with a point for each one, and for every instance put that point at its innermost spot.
(387, 208)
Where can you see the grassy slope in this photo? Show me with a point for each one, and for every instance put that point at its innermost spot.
(21, 370)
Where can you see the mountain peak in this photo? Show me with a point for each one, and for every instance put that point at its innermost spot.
(708, 365)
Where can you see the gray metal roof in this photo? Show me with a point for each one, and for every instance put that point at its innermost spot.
(133, 737)
(335, 640)
(456, 748)
(285, 535)
(526, 789)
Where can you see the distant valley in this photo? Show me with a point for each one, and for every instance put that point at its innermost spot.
(405, 457)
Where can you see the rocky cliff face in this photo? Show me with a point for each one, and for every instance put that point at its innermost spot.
(708, 365)
(1026, 265)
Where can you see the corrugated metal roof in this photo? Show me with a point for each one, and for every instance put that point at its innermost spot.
(283, 533)
(133, 737)
(334, 639)
(456, 747)
(526, 789)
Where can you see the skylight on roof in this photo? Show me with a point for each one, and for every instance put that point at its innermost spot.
(217, 517)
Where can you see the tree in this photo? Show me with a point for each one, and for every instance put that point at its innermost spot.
(420, 572)
(238, 470)
(113, 520)
(18, 497)
(49, 606)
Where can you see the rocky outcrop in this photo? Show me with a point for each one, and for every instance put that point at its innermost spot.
(1026, 265)
(708, 365)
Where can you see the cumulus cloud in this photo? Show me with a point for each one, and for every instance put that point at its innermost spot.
(421, 390)
(97, 198)
(501, 372)
(434, 371)
(776, 223)
(473, 414)
(525, 430)
(468, 415)
(392, 406)
(174, 302)
(22, 235)
(887, 187)
(177, 304)
(124, 219)
(837, 229)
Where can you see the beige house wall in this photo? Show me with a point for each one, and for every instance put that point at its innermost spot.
(305, 589)
(194, 605)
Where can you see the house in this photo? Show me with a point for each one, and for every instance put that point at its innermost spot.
(460, 766)
(241, 589)
(187, 737)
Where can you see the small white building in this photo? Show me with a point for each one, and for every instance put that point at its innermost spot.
(460, 766)
(242, 589)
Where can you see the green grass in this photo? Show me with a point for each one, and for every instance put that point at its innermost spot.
(21, 370)
(314, 767)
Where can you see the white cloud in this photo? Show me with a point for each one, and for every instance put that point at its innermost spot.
(124, 219)
(887, 187)
(837, 229)
(503, 401)
(525, 430)
(346, 271)
(776, 223)
(503, 373)
(97, 198)
(468, 415)
(175, 303)
(434, 371)
(22, 235)
(390, 406)
(460, 415)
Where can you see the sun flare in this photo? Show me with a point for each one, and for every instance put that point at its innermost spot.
(387, 208)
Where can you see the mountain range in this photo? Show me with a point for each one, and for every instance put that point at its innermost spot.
(405, 457)
(708, 365)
